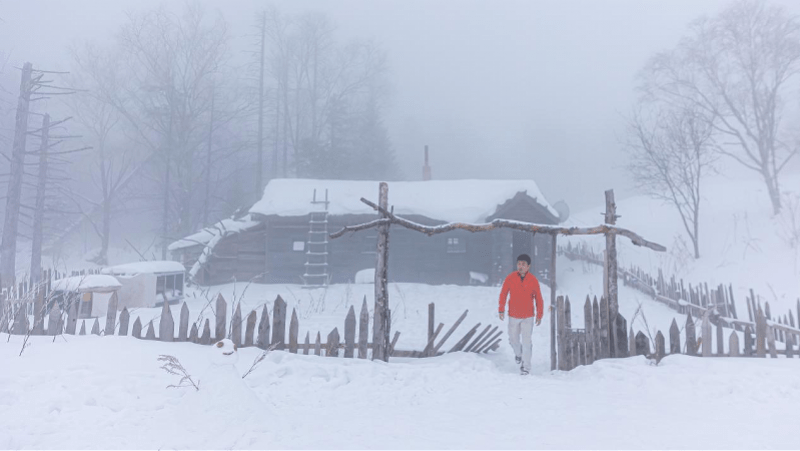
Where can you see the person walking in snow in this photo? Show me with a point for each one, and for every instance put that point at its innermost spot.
(525, 304)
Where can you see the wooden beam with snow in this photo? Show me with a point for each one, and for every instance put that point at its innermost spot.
(391, 218)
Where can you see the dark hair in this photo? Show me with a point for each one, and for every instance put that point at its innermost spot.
(524, 258)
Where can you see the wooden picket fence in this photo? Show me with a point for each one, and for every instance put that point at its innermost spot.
(697, 300)
(593, 342)
(26, 289)
(261, 333)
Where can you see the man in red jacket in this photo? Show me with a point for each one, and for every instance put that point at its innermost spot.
(525, 303)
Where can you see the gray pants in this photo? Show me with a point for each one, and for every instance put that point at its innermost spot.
(521, 327)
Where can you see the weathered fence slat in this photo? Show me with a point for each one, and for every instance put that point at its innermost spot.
(771, 343)
(318, 346)
(720, 338)
(761, 334)
(789, 346)
(561, 334)
(706, 335)
(111, 315)
(350, 333)
(492, 337)
(193, 334)
(72, 318)
(394, 342)
(236, 325)
(748, 342)
(632, 342)
(595, 339)
(279, 323)
(250, 328)
(124, 318)
(96, 327)
(151, 332)
(733, 345)
(642, 344)
(221, 315)
(465, 339)
(294, 327)
(605, 329)
(674, 338)
(332, 348)
(363, 330)
(183, 327)
(166, 327)
(691, 343)
(588, 324)
(621, 339)
(478, 338)
(262, 340)
(38, 314)
(307, 345)
(428, 351)
(54, 321)
(205, 338)
(450, 332)
(136, 332)
(660, 346)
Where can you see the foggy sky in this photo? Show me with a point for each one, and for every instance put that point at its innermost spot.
(500, 89)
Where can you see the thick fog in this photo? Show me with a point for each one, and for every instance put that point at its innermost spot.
(497, 90)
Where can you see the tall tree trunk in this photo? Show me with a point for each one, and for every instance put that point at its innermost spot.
(8, 247)
(771, 179)
(38, 213)
(105, 239)
(206, 204)
(260, 167)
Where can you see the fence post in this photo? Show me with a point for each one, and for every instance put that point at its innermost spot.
(560, 333)
(111, 315)
(279, 323)
(236, 325)
(166, 327)
(350, 332)
(691, 343)
(674, 338)
(221, 316)
(706, 334)
(183, 328)
(262, 341)
(761, 334)
(363, 330)
(250, 328)
(294, 327)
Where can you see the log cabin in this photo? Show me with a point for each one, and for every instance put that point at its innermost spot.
(284, 236)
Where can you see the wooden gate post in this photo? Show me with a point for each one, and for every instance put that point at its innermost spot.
(380, 328)
(611, 263)
(553, 306)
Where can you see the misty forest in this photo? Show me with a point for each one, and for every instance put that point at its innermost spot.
(255, 176)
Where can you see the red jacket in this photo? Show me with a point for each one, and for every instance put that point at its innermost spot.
(523, 294)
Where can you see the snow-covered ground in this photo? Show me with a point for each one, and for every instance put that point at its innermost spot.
(109, 392)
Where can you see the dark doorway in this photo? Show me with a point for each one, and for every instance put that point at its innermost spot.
(522, 243)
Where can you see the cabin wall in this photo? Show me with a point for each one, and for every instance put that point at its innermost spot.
(268, 253)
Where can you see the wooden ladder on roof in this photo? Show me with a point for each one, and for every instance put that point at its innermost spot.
(316, 267)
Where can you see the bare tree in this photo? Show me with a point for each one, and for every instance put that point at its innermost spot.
(736, 69)
(670, 154)
(111, 163)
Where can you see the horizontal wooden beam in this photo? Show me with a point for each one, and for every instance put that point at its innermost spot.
(391, 218)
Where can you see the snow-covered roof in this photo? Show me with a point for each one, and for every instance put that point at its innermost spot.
(444, 200)
(154, 267)
(204, 236)
(86, 283)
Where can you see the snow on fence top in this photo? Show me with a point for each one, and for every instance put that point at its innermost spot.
(90, 282)
(204, 236)
(445, 200)
(154, 267)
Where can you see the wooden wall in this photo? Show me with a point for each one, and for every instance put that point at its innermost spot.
(265, 253)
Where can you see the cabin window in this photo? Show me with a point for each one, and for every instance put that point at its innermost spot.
(299, 246)
(456, 245)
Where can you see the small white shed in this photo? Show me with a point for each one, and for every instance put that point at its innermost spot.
(148, 284)
(91, 291)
